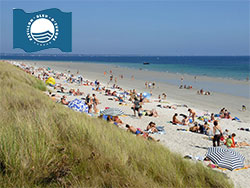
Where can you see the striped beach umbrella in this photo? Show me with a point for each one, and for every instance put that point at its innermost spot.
(112, 112)
(225, 158)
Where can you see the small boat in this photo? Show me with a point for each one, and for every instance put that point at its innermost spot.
(146, 63)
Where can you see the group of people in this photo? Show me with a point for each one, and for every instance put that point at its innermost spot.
(202, 92)
(150, 85)
(138, 101)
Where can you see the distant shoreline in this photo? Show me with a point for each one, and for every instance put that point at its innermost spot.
(223, 67)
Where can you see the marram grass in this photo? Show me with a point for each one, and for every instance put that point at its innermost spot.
(44, 144)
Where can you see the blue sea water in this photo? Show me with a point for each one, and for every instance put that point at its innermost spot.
(232, 67)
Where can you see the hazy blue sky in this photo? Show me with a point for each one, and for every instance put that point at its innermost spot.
(145, 27)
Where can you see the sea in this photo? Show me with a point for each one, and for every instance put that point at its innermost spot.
(231, 67)
(228, 67)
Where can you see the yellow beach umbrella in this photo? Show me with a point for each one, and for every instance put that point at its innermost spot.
(50, 80)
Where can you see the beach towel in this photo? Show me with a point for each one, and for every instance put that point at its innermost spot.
(160, 130)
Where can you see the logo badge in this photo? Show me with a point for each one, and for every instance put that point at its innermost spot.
(45, 29)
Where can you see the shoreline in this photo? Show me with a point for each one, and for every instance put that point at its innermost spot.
(222, 85)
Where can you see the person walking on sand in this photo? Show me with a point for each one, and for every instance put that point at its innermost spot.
(217, 131)
(192, 114)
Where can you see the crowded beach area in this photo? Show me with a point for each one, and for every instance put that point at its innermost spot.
(186, 120)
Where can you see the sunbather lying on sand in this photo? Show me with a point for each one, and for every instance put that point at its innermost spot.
(152, 127)
(133, 129)
(64, 101)
(152, 113)
(169, 107)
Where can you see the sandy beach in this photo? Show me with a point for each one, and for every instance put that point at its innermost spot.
(182, 142)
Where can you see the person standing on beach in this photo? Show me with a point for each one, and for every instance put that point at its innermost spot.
(153, 84)
(217, 131)
(95, 103)
(192, 114)
(182, 80)
(137, 107)
(88, 102)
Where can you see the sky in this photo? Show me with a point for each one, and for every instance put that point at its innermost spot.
(144, 27)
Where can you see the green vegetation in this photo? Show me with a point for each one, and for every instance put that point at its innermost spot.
(44, 144)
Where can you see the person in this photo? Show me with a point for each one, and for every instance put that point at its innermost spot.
(222, 112)
(185, 120)
(195, 128)
(153, 84)
(192, 114)
(78, 92)
(226, 134)
(169, 106)
(152, 127)
(217, 131)
(88, 102)
(117, 120)
(146, 85)
(237, 144)
(137, 107)
(212, 117)
(147, 137)
(164, 96)
(133, 130)
(95, 103)
(151, 113)
(207, 130)
(53, 97)
(244, 108)
(175, 120)
(64, 101)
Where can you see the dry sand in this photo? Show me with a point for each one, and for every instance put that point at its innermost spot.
(182, 142)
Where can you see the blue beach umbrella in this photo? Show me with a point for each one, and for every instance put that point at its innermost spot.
(78, 105)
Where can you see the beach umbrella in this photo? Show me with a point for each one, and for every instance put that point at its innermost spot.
(78, 105)
(225, 158)
(112, 112)
(51, 81)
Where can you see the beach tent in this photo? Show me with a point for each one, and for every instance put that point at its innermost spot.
(225, 158)
(50, 81)
(112, 112)
(78, 105)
